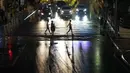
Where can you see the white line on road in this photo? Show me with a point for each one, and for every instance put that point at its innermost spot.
(30, 15)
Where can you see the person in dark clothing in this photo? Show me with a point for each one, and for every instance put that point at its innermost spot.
(70, 27)
(47, 27)
(52, 27)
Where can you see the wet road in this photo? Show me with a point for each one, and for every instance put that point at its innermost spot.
(68, 56)
(80, 28)
(85, 52)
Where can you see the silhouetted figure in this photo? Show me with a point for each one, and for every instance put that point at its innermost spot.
(52, 27)
(70, 27)
(47, 27)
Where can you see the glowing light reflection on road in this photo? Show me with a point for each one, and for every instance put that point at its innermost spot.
(85, 19)
(42, 56)
(60, 53)
(58, 21)
(97, 57)
(41, 24)
(77, 18)
(86, 45)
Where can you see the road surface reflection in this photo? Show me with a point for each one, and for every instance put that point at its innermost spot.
(57, 56)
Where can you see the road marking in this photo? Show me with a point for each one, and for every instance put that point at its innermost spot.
(30, 15)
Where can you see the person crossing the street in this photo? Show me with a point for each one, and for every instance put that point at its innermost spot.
(70, 27)
(52, 27)
(47, 27)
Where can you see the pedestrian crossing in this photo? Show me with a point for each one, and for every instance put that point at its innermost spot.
(78, 28)
(59, 37)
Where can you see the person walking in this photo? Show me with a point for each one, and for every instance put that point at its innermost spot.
(47, 27)
(70, 27)
(52, 27)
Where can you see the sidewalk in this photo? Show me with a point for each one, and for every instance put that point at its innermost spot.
(123, 51)
(10, 52)
(124, 32)
(8, 56)
(123, 44)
